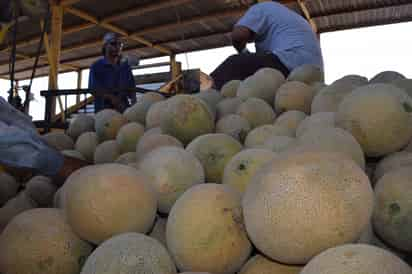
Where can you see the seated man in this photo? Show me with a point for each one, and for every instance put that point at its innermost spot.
(111, 72)
(284, 40)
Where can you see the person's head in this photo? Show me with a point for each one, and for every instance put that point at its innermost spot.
(112, 45)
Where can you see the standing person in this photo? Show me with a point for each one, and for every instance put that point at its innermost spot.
(111, 72)
(284, 40)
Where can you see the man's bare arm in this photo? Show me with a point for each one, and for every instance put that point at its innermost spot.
(240, 37)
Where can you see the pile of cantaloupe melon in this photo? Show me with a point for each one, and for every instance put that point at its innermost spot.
(268, 176)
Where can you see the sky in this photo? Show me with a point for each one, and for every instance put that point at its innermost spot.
(364, 51)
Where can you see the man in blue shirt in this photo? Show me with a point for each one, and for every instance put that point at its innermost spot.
(111, 72)
(284, 40)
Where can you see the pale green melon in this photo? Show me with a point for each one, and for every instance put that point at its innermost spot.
(214, 151)
(130, 253)
(259, 135)
(352, 79)
(405, 84)
(290, 119)
(230, 88)
(278, 143)
(128, 136)
(243, 166)
(86, 144)
(159, 230)
(307, 74)
(127, 158)
(323, 194)
(318, 120)
(106, 152)
(58, 140)
(318, 86)
(294, 95)
(154, 114)
(208, 218)
(227, 106)
(15, 206)
(187, 118)
(80, 124)
(153, 96)
(41, 241)
(261, 265)
(377, 117)
(41, 190)
(73, 154)
(235, 126)
(356, 259)
(138, 112)
(155, 130)
(392, 162)
(152, 141)
(211, 97)
(107, 124)
(257, 112)
(386, 77)
(171, 171)
(8, 187)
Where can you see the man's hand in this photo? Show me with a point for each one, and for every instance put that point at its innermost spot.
(240, 37)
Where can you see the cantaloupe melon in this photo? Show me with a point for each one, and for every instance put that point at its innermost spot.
(257, 112)
(392, 218)
(230, 88)
(261, 265)
(392, 162)
(290, 119)
(243, 166)
(318, 86)
(307, 74)
(305, 202)
(108, 123)
(73, 154)
(333, 140)
(8, 187)
(259, 135)
(57, 198)
(263, 84)
(378, 133)
(227, 106)
(317, 120)
(214, 151)
(404, 84)
(86, 144)
(152, 141)
(211, 97)
(235, 126)
(294, 95)
(159, 230)
(138, 112)
(107, 152)
(386, 77)
(15, 206)
(58, 140)
(129, 253)
(155, 130)
(154, 96)
(105, 200)
(126, 158)
(128, 136)
(187, 118)
(205, 230)
(171, 171)
(41, 241)
(154, 114)
(352, 79)
(80, 124)
(278, 143)
(41, 189)
(356, 259)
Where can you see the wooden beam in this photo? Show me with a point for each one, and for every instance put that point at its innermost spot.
(306, 12)
(66, 3)
(79, 84)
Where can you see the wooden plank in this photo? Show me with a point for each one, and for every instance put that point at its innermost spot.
(306, 12)
(79, 84)
(160, 77)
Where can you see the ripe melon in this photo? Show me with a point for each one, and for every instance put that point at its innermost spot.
(80, 124)
(155, 130)
(107, 124)
(154, 114)
(235, 126)
(58, 140)
(138, 112)
(290, 119)
(41, 190)
(57, 198)
(187, 118)
(307, 74)
(329, 98)
(214, 151)
(154, 96)
(294, 95)
(261, 265)
(316, 121)
(230, 88)
(128, 136)
(392, 218)
(211, 97)
(386, 77)
(205, 230)
(195, 273)
(105, 200)
(318, 86)
(129, 253)
(392, 162)
(259, 135)
(379, 133)
(152, 141)
(106, 152)
(352, 79)
(356, 259)
(263, 84)
(333, 140)
(227, 106)
(15, 206)
(159, 230)
(41, 241)
(86, 144)
(243, 166)
(126, 158)
(305, 202)
(404, 84)
(171, 171)
(8, 187)
(278, 143)
(73, 154)
(257, 112)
